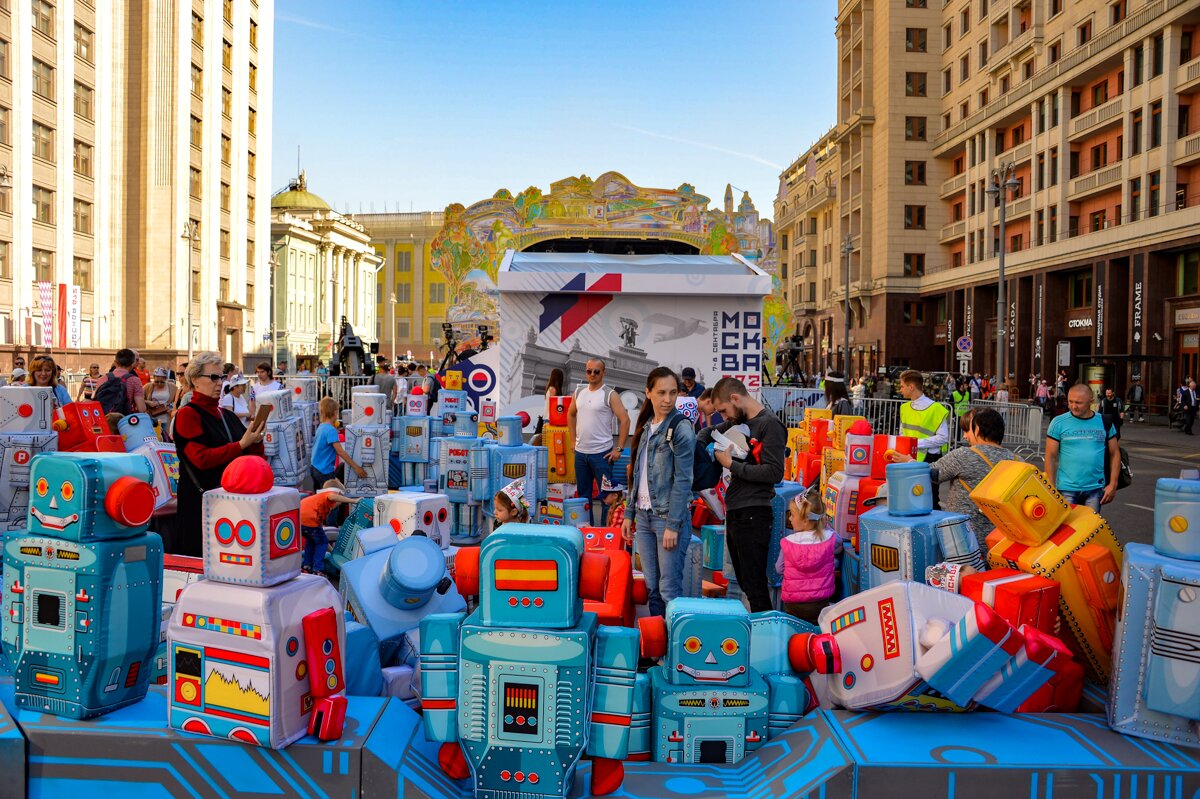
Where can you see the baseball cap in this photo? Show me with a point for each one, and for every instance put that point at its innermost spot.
(160, 372)
(689, 372)
(19, 372)
(238, 380)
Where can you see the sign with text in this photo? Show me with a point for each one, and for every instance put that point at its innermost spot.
(46, 298)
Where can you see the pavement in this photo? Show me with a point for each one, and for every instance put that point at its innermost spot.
(1154, 452)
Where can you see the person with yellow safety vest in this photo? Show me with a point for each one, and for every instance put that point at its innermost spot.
(924, 420)
(961, 397)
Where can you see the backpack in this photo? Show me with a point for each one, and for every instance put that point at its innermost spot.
(1125, 477)
(706, 472)
(112, 396)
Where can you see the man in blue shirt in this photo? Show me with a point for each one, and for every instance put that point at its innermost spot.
(1076, 444)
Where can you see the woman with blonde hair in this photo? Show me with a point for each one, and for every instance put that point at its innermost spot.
(43, 373)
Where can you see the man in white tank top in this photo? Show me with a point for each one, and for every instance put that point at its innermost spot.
(590, 420)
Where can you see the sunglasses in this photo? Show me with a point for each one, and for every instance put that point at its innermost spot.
(215, 376)
(594, 371)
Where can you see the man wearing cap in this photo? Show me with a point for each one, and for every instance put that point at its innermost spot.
(690, 387)
(385, 381)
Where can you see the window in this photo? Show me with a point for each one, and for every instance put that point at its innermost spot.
(83, 43)
(964, 21)
(1004, 84)
(1135, 132)
(4, 123)
(435, 330)
(964, 68)
(253, 34)
(224, 243)
(252, 122)
(1083, 33)
(43, 142)
(403, 329)
(1073, 169)
(1155, 191)
(1000, 141)
(250, 205)
(1156, 66)
(1052, 227)
(983, 8)
(197, 30)
(5, 260)
(84, 100)
(404, 293)
(1100, 93)
(914, 84)
(964, 110)
(43, 266)
(983, 54)
(1055, 51)
(1155, 123)
(1185, 47)
(43, 17)
(250, 252)
(1079, 290)
(914, 173)
(224, 288)
(915, 40)
(946, 81)
(226, 55)
(251, 162)
(1039, 174)
(915, 4)
(914, 313)
(83, 217)
(5, 201)
(1027, 70)
(983, 98)
(225, 196)
(197, 81)
(83, 159)
(914, 264)
(1135, 198)
(957, 212)
(437, 292)
(253, 78)
(1097, 220)
(956, 259)
(43, 79)
(1038, 227)
(226, 102)
(3, 59)
(226, 148)
(1016, 243)
(947, 37)
(1100, 155)
(228, 11)
(914, 128)
(195, 183)
(914, 217)
(197, 132)
(196, 285)
(1053, 166)
(1183, 127)
(1117, 12)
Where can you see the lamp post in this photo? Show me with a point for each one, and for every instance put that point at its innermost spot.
(191, 234)
(847, 248)
(392, 323)
(1002, 181)
(274, 264)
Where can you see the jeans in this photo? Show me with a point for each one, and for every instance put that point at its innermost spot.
(663, 568)
(591, 469)
(1089, 498)
(748, 534)
(315, 544)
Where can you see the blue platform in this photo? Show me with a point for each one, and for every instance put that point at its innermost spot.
(383, 753)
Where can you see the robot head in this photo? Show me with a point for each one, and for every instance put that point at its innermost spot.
(251, 538)
(529, 576)
(818, 429)
(489, 411)
(416, 567)
(137, 429)
(910, 490)
(82, 427)
(452, 379)
(280, 402)
(556, 410)
(90, 496)
(366, 408)
(599, 539)
(466, 423)
(414, 513)
(708, 642)
(860, 446)
(689, 408)
(304, 389)
(24, 409)
(1020, 501)
(1177, 518)
(509, 431)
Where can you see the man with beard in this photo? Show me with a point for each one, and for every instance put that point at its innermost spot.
(748, 514)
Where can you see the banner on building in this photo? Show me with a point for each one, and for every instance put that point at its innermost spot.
(46, 296)
(70, 299)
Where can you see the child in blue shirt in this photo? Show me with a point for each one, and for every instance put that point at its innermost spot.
(327, 447)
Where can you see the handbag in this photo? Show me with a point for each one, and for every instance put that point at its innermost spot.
(1125, 476)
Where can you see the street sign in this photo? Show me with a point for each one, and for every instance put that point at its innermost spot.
(964, 358)
(266, 336)
(963, 344)
(1064, 353)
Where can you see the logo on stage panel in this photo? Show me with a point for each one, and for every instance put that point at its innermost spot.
(585, 297)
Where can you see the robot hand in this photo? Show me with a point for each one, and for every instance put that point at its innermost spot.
(808, 652)
(326, 674)
(607, 775)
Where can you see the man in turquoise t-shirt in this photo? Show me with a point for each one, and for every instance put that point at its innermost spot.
(1075, 447)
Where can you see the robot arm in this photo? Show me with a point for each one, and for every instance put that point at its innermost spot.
(439, 675)
(616, 656)
(326, 674)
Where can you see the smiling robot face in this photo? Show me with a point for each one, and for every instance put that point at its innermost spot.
(89, 496)
(708, 645)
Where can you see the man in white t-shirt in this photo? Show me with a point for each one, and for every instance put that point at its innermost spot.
(590, 422)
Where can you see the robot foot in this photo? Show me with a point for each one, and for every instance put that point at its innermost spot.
(607, 775)
(453, 761)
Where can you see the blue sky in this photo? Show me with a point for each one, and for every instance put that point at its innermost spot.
(420, 104)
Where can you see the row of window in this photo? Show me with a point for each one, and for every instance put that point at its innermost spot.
(198, 31)
(196, 132)
(43, 145)
(43, 267)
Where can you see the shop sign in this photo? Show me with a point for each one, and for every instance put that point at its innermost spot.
(1187, 316)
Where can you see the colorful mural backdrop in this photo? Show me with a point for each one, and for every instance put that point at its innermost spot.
(468, 249)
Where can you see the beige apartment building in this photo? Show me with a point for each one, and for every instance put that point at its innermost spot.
(1089, 101)
(134, 142)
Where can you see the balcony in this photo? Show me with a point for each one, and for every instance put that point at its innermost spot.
(1097, 181)
(956, 183)
(1188, 75)
(1097, 117)
(954, 230)
(1018, 208)
(804, 307)
(1014, 49)
(1187, 150)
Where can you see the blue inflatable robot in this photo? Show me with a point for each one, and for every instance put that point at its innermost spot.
(729, 679)
(82, 587)
(1154, 691)
(495, 464)
(522, 687)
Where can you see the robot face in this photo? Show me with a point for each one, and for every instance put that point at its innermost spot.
(137, 429)
(280, 402)
(85, 422)
(708, 649)
(488, 411)
(1177, 518)
(410, 513)
(86, 497)
(529, 576)
(367, 408)
(24, 409)
(509, 431)
(602, 538)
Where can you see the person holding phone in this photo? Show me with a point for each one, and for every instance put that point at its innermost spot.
(207, 439)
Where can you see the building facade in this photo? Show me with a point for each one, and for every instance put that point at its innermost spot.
(120, 124)
(1089, 102)
(324, 270)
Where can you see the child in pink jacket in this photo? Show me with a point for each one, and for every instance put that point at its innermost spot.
(806, 561)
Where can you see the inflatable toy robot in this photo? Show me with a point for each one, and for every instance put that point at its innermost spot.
(82, 427)
(721, 689)
(368, 442)
(450, 404)
(411, 437)
(283, 442)
(522, 687)
(556, 436)
(26, 416)
(306, 400)
(847, 492)
(255, 648)
(454, 480)
(495, 464)
(83, 587)
(1038, 532)
(347, 547)
(141, 438)
(1155, 688)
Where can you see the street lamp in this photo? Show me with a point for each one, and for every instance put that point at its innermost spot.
(191, 234)
(1002, 176)
(274, 264)
(392, 323)
(847, 248)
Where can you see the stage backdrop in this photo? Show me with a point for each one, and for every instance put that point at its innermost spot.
(634, 311)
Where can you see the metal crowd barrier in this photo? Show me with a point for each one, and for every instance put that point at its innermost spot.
(1023, 431)
(789, 402)
(340, 387)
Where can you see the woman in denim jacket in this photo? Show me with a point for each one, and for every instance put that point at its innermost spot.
(661, 489)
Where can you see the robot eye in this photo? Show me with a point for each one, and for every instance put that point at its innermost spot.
(441, 514)
(224, 532)
(692, 645)
(608, 536)
(42, 486)
(590, 536)
(68, 491)
(729, 646)
(428, 518)
(244, 533)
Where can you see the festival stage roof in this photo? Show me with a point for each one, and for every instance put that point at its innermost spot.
(638, 274)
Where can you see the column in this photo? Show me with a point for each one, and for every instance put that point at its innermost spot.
(1170, 114)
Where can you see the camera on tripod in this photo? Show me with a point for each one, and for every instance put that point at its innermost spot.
(450, 334)
(485, 336)
(787, 359)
